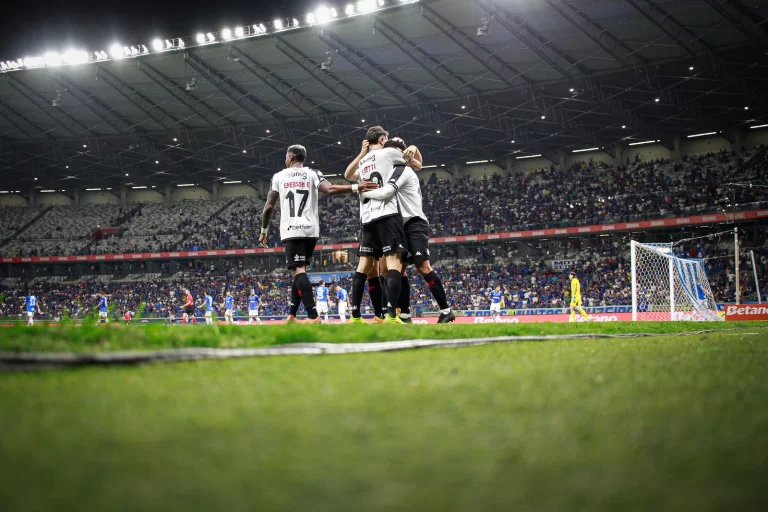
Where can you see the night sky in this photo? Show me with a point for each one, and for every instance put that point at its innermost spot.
(30, 28)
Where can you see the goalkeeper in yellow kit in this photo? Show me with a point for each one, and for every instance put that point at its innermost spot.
(576, 298)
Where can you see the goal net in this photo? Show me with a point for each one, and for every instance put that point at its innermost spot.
(666, 287)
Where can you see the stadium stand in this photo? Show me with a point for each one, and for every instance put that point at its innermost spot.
(586, 193)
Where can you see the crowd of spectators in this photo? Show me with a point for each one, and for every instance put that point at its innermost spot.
(586, 193)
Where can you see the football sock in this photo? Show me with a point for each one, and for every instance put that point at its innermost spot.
(305, 292)
(377, 295)
(295, 299)
(358, 287)
(438, 292)
(584, 314)
(394, 284)
(404, 303)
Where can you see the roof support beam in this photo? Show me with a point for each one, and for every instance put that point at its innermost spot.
(18, 121)
(739, 17)
(352, 98)
(197, 106)
(66, 121)
(233, 91)
(290, 94)
(140, 101)
(440, 72)
(668, 24)
(570, 69)
(511, 77)
(95, 105)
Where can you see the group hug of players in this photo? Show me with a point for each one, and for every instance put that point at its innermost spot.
(394, 232)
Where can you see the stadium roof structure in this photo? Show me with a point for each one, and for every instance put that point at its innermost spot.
(546, 76)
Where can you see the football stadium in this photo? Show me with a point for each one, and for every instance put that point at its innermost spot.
(389, 255)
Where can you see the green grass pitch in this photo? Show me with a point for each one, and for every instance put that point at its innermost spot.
(659, 423)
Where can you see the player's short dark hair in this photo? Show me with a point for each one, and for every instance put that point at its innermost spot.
(299, 152)
(374, 134)
(396, 142)
(322, 282)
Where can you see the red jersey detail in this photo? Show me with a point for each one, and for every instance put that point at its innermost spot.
(189, 300)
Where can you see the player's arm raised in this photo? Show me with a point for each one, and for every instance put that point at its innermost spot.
(351, 173)
(413, 157)
(330, 189)
(266, 215)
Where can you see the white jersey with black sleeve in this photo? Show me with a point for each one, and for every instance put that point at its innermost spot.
(407, 189)
(299, 192)
(380, 166)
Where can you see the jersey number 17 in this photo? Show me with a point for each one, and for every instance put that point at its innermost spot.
(292, 202)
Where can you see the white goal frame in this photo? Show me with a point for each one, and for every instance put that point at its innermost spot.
(668, 288)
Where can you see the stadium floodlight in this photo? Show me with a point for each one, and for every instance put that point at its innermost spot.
(262, 28)
(168, 44)
(185, 185)
(478, 162)
(278, 24)
(158, 45)
(85, 145)
(642, 143)
(623, 126)
(52, 59)
(231, 182)
(239, 32)
(584, 150)
(323, 14)
(746, 108)
(142, 186)
(135, 51)
(210, 36)
(311, 18)
(701, 135)
(758, 126)
(226, 34)
(350, 10)
(126, 174)
(438, 131)
(657, 100)
(527, 156)
(47, 191)
(31, 62)
(296, 22)
(245, 151)
(381, 3)
(334, 14)
(364, 6)
(513, 142)
(200, 38)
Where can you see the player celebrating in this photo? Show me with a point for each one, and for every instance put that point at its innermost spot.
(497, 298)
(229, 304)
(208, 305)
(31, 307)
(321, 299)
(416, 228)
(189, 307)
(343, 303)
(103, 309)
(382, 233)
(297, 188)
(253, 307)
(576, 298)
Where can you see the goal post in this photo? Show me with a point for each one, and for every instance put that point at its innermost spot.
(666, 287)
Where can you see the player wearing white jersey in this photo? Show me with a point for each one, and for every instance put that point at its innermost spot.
(297, 187)
(382, 232)
(407, 189)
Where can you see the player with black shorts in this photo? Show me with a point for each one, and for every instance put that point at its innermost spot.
(189, 308)
(297, 187)
(382, 232)
(407, 189)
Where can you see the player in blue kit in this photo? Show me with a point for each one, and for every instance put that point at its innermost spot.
(321, 300)
(253, 307)
(229, 305)
(103, 309)
(343, 303)
(208, 306)
(32, 307)
(497, 299)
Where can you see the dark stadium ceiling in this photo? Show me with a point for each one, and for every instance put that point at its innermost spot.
(550, 75)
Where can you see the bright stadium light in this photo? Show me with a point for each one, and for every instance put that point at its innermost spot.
(701, 135)
(527, 156)
(185, 185)
(93, 190)
(334, 14)
(323, 14)
(350, 10)
(157, 45)
(210, 36)
(262, 28)
(364, 6)
(73, 57)
(478, 162)
(758, 126)
(278, 24)
(231, 182)
(226, 34)
(200, 38)
(52, 59)
(296, 23)
(168, 44)
(143, 186)
(584, 150)
(642, 143)
(239, 32)
(311, 18)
